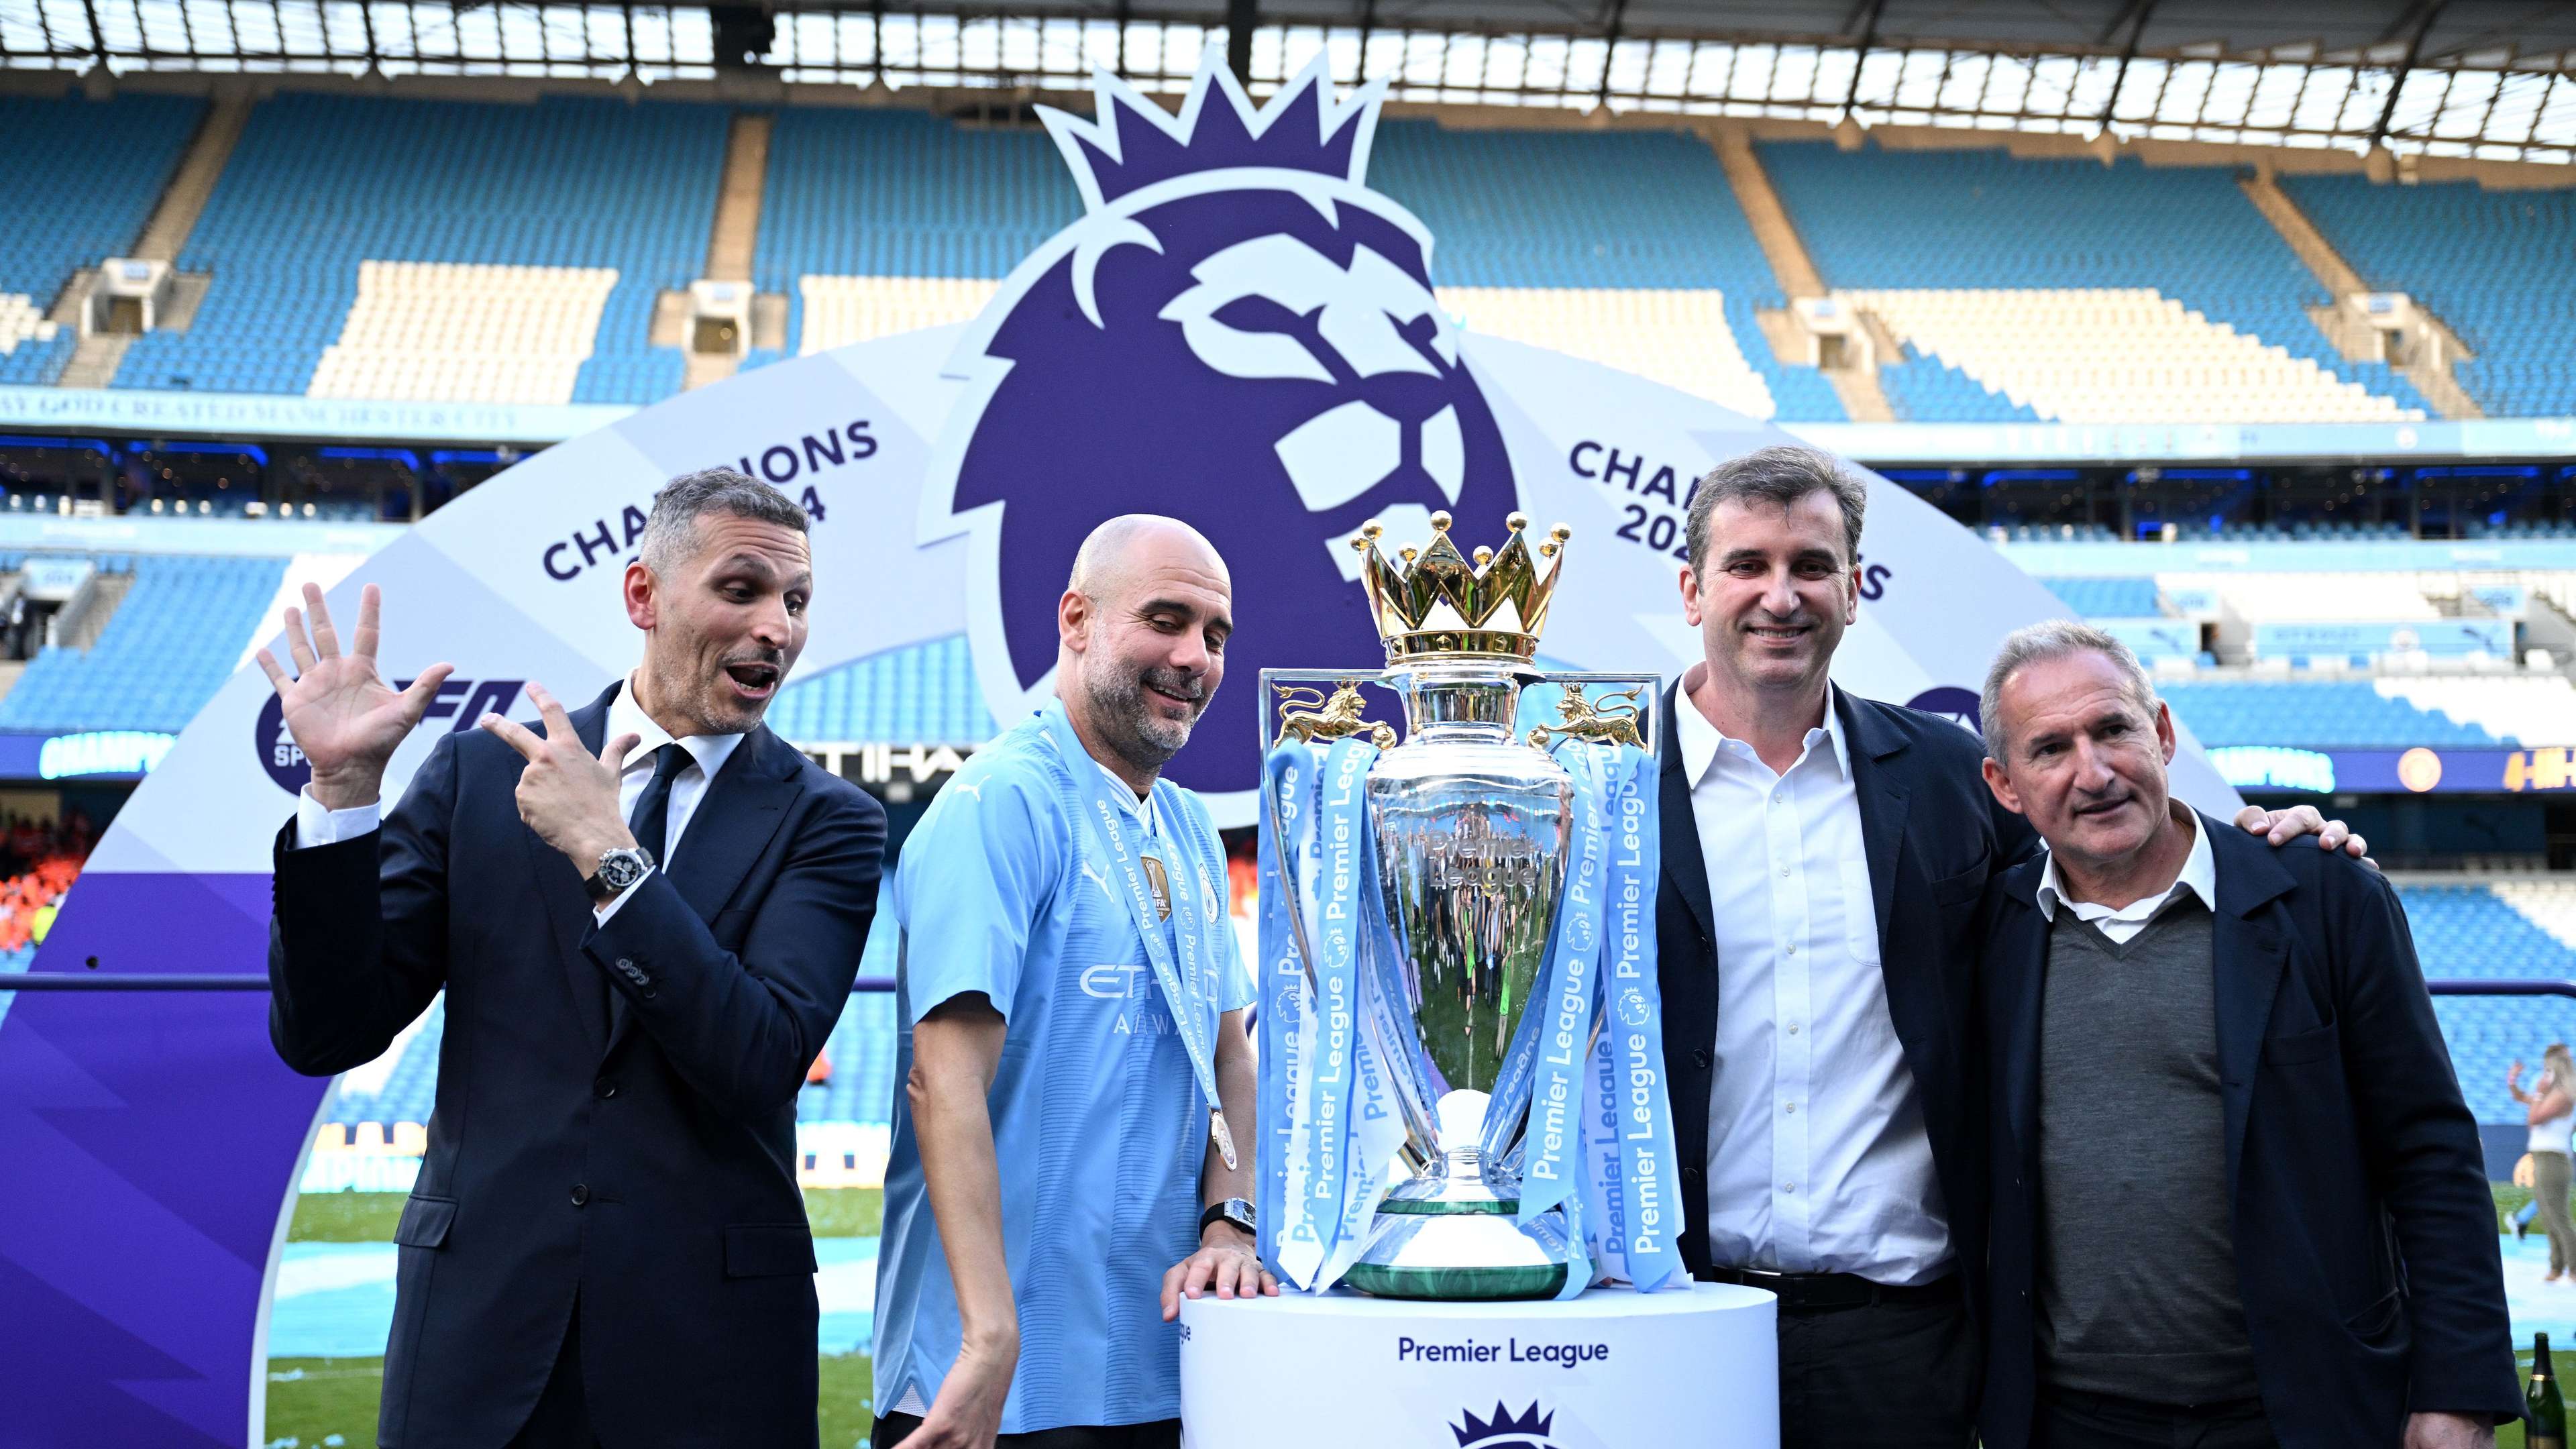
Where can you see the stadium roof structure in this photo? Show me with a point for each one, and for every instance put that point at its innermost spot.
(2492, 79)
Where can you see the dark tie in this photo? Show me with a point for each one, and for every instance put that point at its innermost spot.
(651, 820)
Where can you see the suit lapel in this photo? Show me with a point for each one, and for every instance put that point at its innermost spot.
(567, 904)
(2249, 956)
(1884, 802)
(1684, 866)
(2018, 959)
(742, 808)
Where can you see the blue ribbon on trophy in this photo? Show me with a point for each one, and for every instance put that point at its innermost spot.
(1462, 979)
(1631, 1178)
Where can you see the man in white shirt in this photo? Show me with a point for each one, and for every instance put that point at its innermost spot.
(1823, 859)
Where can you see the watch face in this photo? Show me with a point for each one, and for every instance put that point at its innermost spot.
(621, 869)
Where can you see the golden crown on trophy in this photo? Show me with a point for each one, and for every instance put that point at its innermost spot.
(1435, 604)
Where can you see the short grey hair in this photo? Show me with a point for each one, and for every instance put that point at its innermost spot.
(1781, 475)
(2043, 641)
(671, 534)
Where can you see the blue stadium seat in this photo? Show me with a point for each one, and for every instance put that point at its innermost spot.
(319, 184)
(2340, 714)
(2498, 266)
(2107, 598)
(83, 176)
(1641, 209)
(172, 642)
(923, 695)
(1880, 219)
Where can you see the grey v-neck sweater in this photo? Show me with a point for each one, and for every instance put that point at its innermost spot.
(2137, 1261)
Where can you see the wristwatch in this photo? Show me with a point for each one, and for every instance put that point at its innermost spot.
(1233, 1210)
(618, 869)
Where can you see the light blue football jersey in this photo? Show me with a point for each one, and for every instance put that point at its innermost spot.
(1099, 1123)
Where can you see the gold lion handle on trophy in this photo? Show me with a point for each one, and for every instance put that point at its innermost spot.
(1306, 715)
(1611, 720)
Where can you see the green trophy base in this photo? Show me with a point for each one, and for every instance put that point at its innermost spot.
(1456, 1238)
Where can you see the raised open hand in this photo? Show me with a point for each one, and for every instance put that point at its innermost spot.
(345, 718)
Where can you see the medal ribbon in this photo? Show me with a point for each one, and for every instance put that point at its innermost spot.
(1183, 965)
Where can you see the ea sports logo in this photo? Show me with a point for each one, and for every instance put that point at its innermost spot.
(1238, 333)
(1527, 1429)
(1959, 706)
(459, 701)
(277, 752)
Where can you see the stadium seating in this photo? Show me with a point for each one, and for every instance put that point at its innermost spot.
(174, 640)
(838, 310)
(1676, 336)
(1559, 215)
(2108, 598)
(2322, 714)
(84, 176)
(861, 1051)
(1904, 227)
(2513, 931)
(860, 202)
(318, 186)
(2494, 265)
(453, 332)
(923, 695)
(2113, 355)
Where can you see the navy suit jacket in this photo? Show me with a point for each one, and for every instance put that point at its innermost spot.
(1934, 837)
(2366, 1246)
(616, 1114)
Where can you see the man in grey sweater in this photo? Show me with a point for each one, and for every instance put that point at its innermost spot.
(2238, 1201)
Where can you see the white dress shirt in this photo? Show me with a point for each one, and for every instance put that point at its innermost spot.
(2199, 877)
(315, 825)
(1818, 1161)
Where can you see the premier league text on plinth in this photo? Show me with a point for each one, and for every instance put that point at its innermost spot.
(1462, 1046)
(1608, 1370)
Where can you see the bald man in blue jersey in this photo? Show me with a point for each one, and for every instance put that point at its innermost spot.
(1070, 1005)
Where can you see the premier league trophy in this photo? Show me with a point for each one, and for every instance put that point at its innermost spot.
(1460, 1025)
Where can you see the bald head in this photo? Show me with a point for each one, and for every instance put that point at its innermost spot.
(1140, 640)
(1115, 550)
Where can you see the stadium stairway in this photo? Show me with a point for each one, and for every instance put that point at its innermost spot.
(2428, 369)
(94, 362)
(98, 166)
(2063, 287)
(2494, 265)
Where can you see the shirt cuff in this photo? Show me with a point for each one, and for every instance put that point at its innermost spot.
(622, 897)
(316, 825)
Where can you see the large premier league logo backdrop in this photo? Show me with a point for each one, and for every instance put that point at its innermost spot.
(1238, 331)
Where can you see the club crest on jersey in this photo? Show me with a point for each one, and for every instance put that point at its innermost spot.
(1237, 332)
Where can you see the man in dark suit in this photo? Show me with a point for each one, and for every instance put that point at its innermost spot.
(2237, 1199)
(646, 920)
(1823, 857)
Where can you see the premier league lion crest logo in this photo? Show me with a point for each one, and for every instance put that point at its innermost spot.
(1527, 1429)
(1238, 333)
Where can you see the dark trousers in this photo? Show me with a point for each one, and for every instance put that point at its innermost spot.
(1880, 1376)
(561, 1419)
(2068, 1420)
(1161, 1434)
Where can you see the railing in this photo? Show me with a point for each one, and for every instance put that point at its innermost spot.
(2499, 986)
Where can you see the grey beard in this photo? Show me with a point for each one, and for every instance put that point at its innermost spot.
(1131, 730)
